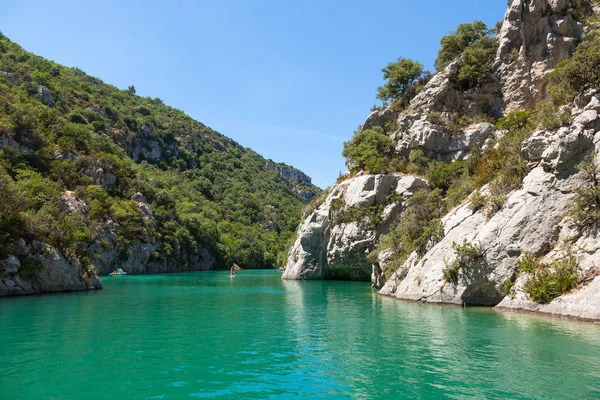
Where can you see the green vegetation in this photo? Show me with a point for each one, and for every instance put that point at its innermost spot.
(419, 227)
(475, 64)
(502, 165)
(580, 72)
(404, 77)
(370, 150)
(453, 45)
(548, 281)
(467, 255)
(205, 190)
(585, 210)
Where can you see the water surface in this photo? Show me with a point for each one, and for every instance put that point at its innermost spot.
(202, 335)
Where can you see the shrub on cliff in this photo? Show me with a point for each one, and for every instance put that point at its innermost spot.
(475, 65)
(453, 45)
(403, 78)
(549, 281)
(419, 227)
(466, 257)
(585, 210)
(370, 150)
(578, 73)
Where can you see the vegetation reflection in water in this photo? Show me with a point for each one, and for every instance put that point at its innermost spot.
(204, 335)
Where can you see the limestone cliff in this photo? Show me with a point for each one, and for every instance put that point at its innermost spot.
(334, 240)
(532, 220)
(535, 36)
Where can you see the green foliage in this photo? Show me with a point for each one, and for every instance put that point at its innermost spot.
(585, 210)
(503, 167)
(338, 204)
(466, 256)
(418, 164)
(458, 123)
(370, 150)
(548, 281)
(419, 227)
(551, 116)
(475, 64)
(402, 77)
(516, 121)
(453, 45)
(436, 118)
(204, 190)
(579, 72)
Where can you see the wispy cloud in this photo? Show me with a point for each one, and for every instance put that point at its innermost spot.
(282, 130)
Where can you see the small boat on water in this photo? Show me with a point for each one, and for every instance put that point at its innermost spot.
(117, 272)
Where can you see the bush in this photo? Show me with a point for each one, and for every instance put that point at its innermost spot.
(419, 227)
(475, 65)
(453, 45)
(478, 201)
(74, 137)
(436, 118)
(516, 120)
(442, 175)
(548, 281)
(458, 123)
(580, 72)
(585, 210)
(467, 255)
(77, 119)
(402, 77)
(370, 150)
(418, 164)
(551, 116)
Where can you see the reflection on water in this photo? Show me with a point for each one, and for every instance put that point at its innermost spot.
(204, 335)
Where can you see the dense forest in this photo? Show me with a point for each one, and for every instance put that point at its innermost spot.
(80, 159)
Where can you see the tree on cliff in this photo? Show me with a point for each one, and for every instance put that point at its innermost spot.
(370, 150)
(402, 78)
(458, 41)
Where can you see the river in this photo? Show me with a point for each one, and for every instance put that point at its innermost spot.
(204, 335)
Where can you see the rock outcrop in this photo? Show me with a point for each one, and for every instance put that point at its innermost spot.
(333, 244)
(44, 269)
(533, 220)
(536, 35)
(297, 180)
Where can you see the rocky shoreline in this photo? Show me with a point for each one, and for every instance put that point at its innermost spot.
(533, 219)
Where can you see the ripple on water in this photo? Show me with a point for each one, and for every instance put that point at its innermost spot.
(202, 335)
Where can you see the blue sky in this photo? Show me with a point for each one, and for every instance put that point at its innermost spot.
(291, 79)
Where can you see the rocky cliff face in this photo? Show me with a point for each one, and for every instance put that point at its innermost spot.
(295, 179)
(38, 267)
(44, 269)
(335, 239)
(535, 36)
(533, 220)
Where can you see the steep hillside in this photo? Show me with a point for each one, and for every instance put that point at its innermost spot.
(93, 177)
(504, 143)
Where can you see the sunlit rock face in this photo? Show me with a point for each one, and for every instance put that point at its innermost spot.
(332, 245)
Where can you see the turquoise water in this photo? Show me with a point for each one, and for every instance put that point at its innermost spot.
(202, 335)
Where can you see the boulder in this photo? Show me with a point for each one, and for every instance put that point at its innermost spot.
(11, 265)
(45, 95)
